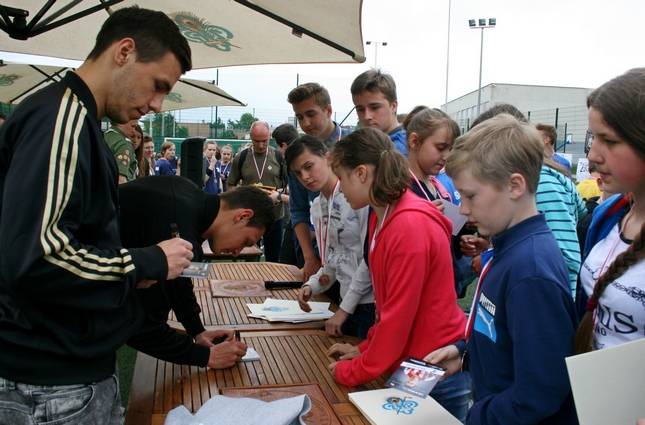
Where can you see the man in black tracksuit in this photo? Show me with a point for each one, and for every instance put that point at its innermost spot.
(67, 287)
(154, 207)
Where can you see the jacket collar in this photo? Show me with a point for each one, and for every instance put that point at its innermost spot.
(83, 92)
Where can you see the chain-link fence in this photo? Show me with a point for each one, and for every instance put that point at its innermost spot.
(570, 123)
(227, 125)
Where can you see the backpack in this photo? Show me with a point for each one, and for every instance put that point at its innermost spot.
(278, 157)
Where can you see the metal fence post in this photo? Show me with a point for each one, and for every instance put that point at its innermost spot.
(557, 112)
(564, 149)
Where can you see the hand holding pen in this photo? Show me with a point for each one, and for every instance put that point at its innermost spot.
(178, 253)
(227, 353)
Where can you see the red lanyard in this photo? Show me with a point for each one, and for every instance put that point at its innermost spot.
(471, 317)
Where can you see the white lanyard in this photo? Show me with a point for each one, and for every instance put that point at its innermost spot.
(257, 170)
(421, 186)
(322, 240)
(378, 228)
(225, 169)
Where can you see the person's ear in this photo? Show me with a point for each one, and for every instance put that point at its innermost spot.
(413, 140)
(361, 172)
(394, 105)
(125, 48)
(243, 215)
(517, 185)
(328, 111)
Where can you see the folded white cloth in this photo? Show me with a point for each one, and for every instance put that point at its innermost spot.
(222, 410)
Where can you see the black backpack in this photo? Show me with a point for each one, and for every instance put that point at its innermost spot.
(279, 158)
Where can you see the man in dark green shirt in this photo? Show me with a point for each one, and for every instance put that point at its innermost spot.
(262, 165)
(119, 140)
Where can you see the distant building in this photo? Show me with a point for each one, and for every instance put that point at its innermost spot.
(562, 107)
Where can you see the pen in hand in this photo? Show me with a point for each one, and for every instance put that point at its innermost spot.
(174, 230)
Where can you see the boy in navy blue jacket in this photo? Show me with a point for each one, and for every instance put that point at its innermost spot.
(523, 318)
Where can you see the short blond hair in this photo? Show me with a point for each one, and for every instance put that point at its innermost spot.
(497, 148)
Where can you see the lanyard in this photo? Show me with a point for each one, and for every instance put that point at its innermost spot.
(225, 168)
(378, 228)
(420, 186)
(322, 240)
(257, 170)
(471, 317)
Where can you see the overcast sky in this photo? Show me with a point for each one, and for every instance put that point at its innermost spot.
(579, 43)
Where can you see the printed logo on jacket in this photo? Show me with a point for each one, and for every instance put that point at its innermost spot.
(485, 319)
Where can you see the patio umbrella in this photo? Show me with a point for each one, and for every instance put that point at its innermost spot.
(220, 32)
(17, 81)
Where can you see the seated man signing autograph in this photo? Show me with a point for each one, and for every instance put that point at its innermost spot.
(153, 208)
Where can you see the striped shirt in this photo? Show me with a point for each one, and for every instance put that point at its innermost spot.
(558, 199)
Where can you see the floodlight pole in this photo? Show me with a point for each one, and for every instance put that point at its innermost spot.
(481, 26)
(481, 60)
(448, 56)
(376, 44)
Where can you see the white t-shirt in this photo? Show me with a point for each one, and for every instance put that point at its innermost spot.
(620, 316)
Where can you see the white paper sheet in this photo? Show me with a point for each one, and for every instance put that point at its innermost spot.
(458, 220)
(289, 311)
(609, 385)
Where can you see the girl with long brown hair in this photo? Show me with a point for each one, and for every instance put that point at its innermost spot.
(612, 273)
(408, 248)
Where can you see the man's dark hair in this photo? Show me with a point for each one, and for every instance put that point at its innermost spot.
(284, 134)
(3, 116)
(373, 80)
(254, 199)
(153, 32)
(500, 108)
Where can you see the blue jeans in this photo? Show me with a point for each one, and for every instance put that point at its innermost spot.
(359, 322)
(454, 394)
(97, 403)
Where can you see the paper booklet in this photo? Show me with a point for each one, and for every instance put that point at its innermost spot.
(609, 384)
(392, 406)
(289, 311)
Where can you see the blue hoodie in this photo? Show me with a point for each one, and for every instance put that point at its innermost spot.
(524, 327)
(605, 217)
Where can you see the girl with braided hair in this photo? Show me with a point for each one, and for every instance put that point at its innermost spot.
(612, 273)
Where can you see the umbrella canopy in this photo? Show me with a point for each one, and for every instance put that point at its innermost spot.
(189, 93)
(17, 81)
(220, 32)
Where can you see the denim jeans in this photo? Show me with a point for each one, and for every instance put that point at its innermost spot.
(359, 322)
(454, 394)
(96, 404)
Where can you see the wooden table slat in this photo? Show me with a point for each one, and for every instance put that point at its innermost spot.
(290, 354)
(287, 358)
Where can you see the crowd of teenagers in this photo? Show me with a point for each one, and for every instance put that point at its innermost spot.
(83, 271)
(541, 294)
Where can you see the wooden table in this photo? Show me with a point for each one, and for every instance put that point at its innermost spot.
(232, 312)
(290, 353)
(287, 358)
(249, 253)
